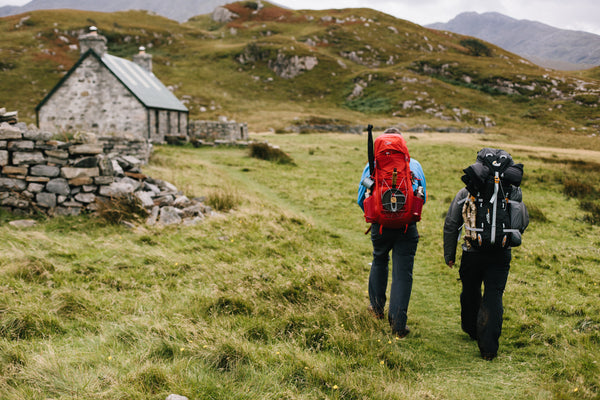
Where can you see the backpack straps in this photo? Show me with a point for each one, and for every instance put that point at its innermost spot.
(494, 200)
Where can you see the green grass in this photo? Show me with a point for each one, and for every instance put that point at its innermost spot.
(269, 299)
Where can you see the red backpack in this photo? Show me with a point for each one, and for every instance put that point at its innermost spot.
(390, 201)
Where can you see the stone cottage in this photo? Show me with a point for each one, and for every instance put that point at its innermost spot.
(112, 96)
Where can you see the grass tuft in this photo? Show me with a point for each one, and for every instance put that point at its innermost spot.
(536, 214)
(150, 379)
(592, 209)
(223, 199)
(26, 325)
(230, 306)
(34, 269)
(228, 357)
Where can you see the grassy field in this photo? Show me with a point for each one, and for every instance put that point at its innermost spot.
(268, 300)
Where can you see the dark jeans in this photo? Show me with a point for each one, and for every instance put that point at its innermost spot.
(403, 244)
(481, 317)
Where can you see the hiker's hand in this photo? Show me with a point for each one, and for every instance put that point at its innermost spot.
(450, 263)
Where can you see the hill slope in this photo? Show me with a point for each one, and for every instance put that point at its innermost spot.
(273, 67)
(546, 45)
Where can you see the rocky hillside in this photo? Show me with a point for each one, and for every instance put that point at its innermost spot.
(543, 44)
(276, 68)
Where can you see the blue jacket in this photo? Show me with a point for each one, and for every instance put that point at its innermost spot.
(415, 168)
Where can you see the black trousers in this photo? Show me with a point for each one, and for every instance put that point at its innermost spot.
(481, 316)
(403, 245)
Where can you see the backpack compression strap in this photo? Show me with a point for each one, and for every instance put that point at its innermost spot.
(370, 151)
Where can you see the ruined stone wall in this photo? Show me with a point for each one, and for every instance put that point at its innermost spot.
(38, 173)
(126, 146)
(92, 99)
(217, 130)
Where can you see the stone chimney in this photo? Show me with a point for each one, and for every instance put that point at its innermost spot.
(143, 59)
(92, 40)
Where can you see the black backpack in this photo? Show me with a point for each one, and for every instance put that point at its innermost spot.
(494, 214)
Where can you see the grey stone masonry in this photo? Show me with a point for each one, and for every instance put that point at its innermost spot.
(39, 174)
(217, 130)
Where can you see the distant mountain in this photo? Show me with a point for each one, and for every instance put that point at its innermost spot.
(542, 44)
(179, 10)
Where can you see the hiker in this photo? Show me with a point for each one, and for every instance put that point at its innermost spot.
(491, 210)
(392, 193)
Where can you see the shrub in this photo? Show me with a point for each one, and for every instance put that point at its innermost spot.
(586, 99)
(370, 105)
(476, 48)
(577, 189)
(6, 66)
(120, 209)
(265, 151)
(252, 5)
(593, 212)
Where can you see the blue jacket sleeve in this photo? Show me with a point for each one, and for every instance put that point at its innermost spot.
(417, 170)
(361, 189)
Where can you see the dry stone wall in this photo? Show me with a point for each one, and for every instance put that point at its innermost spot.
(41, 174)
(129, 146)
(222, 130)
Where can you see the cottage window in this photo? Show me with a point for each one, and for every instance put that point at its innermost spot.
(156, 118)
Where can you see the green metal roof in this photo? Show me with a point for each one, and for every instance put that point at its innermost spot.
(143, 84)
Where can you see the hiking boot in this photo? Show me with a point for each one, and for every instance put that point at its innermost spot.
(402, 333)
(488, 356)
(375, 314)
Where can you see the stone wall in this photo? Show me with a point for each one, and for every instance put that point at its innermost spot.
(212, 131)
(310, 128)
(46, 175)
(128, 146)
(41, 174)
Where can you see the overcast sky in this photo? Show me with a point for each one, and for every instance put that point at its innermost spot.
(582, 15)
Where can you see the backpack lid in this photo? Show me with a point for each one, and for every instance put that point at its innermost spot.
(496, 160)
(391, 142)
(488, 162)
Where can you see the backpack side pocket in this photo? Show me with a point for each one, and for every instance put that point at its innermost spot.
(369, 205)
